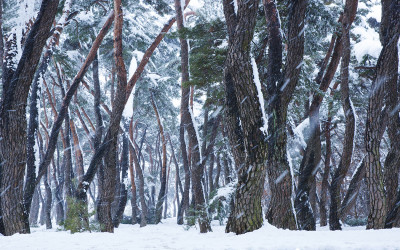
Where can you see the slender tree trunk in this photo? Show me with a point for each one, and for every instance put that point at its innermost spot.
(111, 137)
(345, 161)
(325, 184)
(132, 175)
(187, 119)
(34, 213)
(48, 201)
(185, 116)
(123, 192)
(163, 180)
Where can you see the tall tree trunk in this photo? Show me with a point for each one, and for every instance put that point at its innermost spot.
(392, 97)
(13, 125)
(48, 201)
(187, 119)
(246, 213)
(385, 73)
(185, 92)
(325, 184)
(123, 192)
(104, 208)
(163, 180)
(34, 212)
(348, 144)
(132, 175)
(280, 87)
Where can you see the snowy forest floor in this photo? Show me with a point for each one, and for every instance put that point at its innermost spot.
(168, 235)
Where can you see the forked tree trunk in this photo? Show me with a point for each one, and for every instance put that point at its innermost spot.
(280, 87)
(246, 212)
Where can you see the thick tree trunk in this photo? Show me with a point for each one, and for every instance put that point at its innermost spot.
(280, 87)
(232, 118)
(246, 213)
(385, 74)
(392, 97)
(13, 125)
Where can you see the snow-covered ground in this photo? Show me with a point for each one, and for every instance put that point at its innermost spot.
(171, 236)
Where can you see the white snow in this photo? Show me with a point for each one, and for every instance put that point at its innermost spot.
(168, 235)
(369, 38)
(264, 128)
(196, 128)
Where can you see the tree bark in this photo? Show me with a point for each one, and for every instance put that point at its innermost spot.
(350, 10)
(385, 74)
(13, 125)
(246, 211)
(280, 88)
(132, 175)
(392, 97)
(123, 192)
(163, 180)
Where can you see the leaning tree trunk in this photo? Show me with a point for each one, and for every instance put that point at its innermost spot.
(348, 144)
(13, 125)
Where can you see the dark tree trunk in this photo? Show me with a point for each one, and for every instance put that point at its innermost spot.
(392, 97)
(123, 192)
(246, 213)
(13, 125)
(345, 160)
(48, 201)
(386, 72)
(104, 208)
(33, 113)
(231, 118)
(185, 92)
(163, 180)
(187, 119)
(34, 212)
(325, 184)
(280, 87)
